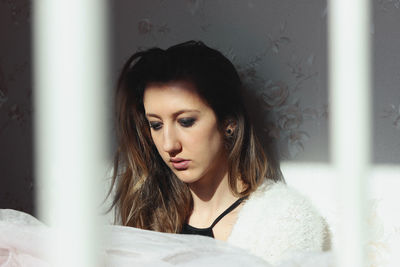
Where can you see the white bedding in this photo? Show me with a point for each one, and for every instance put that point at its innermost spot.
(23, 239)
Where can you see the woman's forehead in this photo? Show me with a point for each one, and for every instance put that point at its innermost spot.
(172, 95)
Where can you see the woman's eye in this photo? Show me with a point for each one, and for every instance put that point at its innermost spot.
(155, 125)
(187, 122)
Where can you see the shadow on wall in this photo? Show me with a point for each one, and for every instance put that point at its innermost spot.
(256, 112)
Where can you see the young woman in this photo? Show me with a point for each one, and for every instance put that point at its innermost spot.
(189, 161)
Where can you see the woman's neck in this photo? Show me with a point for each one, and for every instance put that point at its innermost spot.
(211, 197)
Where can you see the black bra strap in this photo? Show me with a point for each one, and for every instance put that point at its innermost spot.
(233, 206)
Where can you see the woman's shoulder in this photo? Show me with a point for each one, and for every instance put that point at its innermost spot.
(277, 219)
(272, 196)
(274, 201)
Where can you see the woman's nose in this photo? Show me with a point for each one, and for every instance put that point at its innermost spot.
(171, 142)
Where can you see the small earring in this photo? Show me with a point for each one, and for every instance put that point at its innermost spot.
(229, 131)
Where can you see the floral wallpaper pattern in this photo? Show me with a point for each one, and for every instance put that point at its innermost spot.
(388, 4)
(278, 47)
(386, 97)
(393, 115)
(285, 112)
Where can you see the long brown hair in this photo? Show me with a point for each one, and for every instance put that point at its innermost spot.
(148, 195)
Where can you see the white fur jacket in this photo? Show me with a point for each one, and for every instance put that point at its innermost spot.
(276, 222)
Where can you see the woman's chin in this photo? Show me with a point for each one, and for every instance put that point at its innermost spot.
(186, 176)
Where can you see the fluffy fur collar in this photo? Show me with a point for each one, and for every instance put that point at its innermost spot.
(276, 222)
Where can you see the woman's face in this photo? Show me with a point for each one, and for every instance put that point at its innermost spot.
(185, 131)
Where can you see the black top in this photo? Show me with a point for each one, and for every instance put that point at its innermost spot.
(190, 230)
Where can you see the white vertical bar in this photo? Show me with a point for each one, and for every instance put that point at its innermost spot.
(349, 58)
(70, 129)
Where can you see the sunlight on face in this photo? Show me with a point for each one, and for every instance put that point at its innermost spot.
(185, 131)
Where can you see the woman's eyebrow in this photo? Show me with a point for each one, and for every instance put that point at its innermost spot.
(184, 111)
(175, 114)
(152, 115)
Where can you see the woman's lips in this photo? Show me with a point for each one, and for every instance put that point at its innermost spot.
(180, 164)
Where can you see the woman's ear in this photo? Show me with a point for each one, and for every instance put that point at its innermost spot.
(230, 127)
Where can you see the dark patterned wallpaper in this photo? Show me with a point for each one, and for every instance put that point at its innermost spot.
(16, 166)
